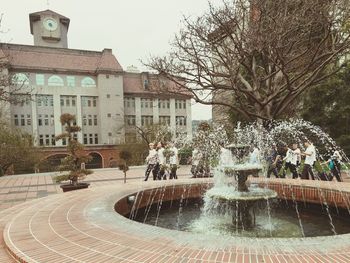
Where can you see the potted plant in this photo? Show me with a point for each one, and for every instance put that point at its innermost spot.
(76, 159)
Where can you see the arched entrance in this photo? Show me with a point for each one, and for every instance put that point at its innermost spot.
(51, 163)
(96, 161)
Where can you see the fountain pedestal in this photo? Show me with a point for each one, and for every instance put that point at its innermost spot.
(241, 199)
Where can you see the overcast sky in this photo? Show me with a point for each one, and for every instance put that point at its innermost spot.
(134, 29)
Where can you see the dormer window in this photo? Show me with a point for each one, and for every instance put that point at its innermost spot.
(20, 79)
(145, 84)
(55, 81)
(88, 82)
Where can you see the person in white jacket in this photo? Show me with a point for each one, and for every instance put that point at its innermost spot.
(173, 160)
(310, 159)
(151, 160)
(291, 160)
(162, 161)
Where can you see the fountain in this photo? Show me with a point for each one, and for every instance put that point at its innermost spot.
(235, 193)
(236, 204)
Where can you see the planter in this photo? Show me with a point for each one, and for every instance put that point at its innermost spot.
(70, 187)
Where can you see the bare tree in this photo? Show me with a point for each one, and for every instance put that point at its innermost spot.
(158, 133)
(13, 88)
(259, 55)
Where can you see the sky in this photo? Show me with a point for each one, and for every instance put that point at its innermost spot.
(134, 29)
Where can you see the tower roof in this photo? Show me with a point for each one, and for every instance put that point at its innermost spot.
(36, 16)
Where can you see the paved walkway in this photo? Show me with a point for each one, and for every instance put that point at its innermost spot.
(23, 192)
(20, 189)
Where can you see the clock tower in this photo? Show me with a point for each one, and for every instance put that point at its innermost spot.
(49, 29)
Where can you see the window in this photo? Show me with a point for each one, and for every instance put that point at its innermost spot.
(96, 138)
(164, 104)
(46, 120)
(16, 120)
(91, 139)
(85, 139)
(164, 120)
(180, 104)
(47, 139)
(129, 102)
(109, 134)
(146, 120)
(89, 101)
(73, 101)
(40, 79)
(146, 103)
(52, 120)
(90, 120)
(20, 79)
(29, 120)
(41, 140)
(88, 82)
(109, 115)
(130, 120)
(40, 121)
(62, 101)
(84, 120)
(70, 81)
(108, 96)
(45, 100)
(95, 120)
(68, 101)
(180, 121)
(55, 81)
(146, 84)
(53, 141)
(83, 101)
(23, 121)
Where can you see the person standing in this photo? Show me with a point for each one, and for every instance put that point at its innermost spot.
(310, 159)
(151, 160)
(334, 164)
(173, 161)
(195, 169)
(162, 161)
(272, 160)
(291, 162)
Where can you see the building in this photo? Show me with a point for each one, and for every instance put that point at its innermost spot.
(91, 85)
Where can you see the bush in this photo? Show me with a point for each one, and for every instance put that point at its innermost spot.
(184, 155)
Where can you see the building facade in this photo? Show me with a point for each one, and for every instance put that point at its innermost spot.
(91, 85)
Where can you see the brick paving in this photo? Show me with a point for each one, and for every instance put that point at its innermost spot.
(82, 226)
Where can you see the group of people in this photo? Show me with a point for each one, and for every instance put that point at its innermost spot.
(292, 160)
(162, 159)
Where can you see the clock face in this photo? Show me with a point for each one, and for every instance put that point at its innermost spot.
(50, 24)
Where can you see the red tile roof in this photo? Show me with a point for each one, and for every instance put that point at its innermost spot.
(25, 57)
(134, 85)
